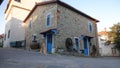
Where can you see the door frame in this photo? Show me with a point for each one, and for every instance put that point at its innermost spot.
(51, 42)
(87, 45)
(78, 43)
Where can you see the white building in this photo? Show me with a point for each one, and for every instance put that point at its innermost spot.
(104, 49)
(15, 12)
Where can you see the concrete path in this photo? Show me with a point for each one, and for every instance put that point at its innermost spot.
(17, 58)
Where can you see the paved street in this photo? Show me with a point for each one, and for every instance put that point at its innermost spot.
(17, 58)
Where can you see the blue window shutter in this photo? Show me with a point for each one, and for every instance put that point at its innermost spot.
(90, 27)
(48, 20)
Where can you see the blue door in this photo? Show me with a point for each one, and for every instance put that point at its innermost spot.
(86, 46)
(49, 43)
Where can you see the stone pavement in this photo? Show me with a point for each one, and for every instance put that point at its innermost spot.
(18, 58)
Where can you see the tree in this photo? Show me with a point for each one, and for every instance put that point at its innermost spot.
(114, 35)
(117, 43)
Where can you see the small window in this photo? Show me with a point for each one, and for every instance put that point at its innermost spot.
(77, 44)
(113, 51)
(9, 34)
(30, 24)
(18, 0)
(48, 20)
(34, 37)
(5, 37)
(90, 27)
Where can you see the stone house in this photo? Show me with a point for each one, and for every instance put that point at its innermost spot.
(54, 21)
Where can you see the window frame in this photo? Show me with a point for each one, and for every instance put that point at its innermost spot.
(30, 24)
(90, 27)
(34, 38)
(8, 34)
(78, 43)
(50, 15)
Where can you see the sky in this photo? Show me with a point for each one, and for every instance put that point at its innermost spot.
(2, 16)
(106, 11)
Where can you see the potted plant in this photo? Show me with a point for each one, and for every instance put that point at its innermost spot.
(35, 45)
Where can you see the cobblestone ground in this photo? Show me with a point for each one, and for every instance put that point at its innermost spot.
(18, 58)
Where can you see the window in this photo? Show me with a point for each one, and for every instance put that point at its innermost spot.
(34, 37)
(8, 33)
(30, 24)
(5, 37)
(76, 42)
(90, 27)
(113, 51)
(18, 0)
(48, 20)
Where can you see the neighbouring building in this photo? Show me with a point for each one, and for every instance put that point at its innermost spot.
(15, 12)
(1, 40)
(104, 48)
(54, 21)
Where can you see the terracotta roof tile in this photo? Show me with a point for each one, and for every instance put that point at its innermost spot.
(103, 33)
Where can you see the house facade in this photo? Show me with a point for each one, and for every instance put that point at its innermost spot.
(55, 21)
(15, 12)
(106, 49)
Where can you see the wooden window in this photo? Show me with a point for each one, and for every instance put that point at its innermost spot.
(90, 27)
(76, 43)
(9, 34)
(34, 37)
(30, 24)
(48, 20)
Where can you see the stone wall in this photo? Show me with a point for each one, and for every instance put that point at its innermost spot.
(71, 24)
(38, 18)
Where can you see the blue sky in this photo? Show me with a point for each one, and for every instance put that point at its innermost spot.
(107, 11)
(2, 17)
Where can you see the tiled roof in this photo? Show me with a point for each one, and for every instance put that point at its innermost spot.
(102, 33)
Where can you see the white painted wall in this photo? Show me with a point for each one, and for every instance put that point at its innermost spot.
(106, 50)
(19, 14)
(17, 31)
(28, 4)
(7, 27)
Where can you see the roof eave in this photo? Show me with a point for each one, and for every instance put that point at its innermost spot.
(7, 6)
(62, 4)
(39, 4)
(78, 11)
